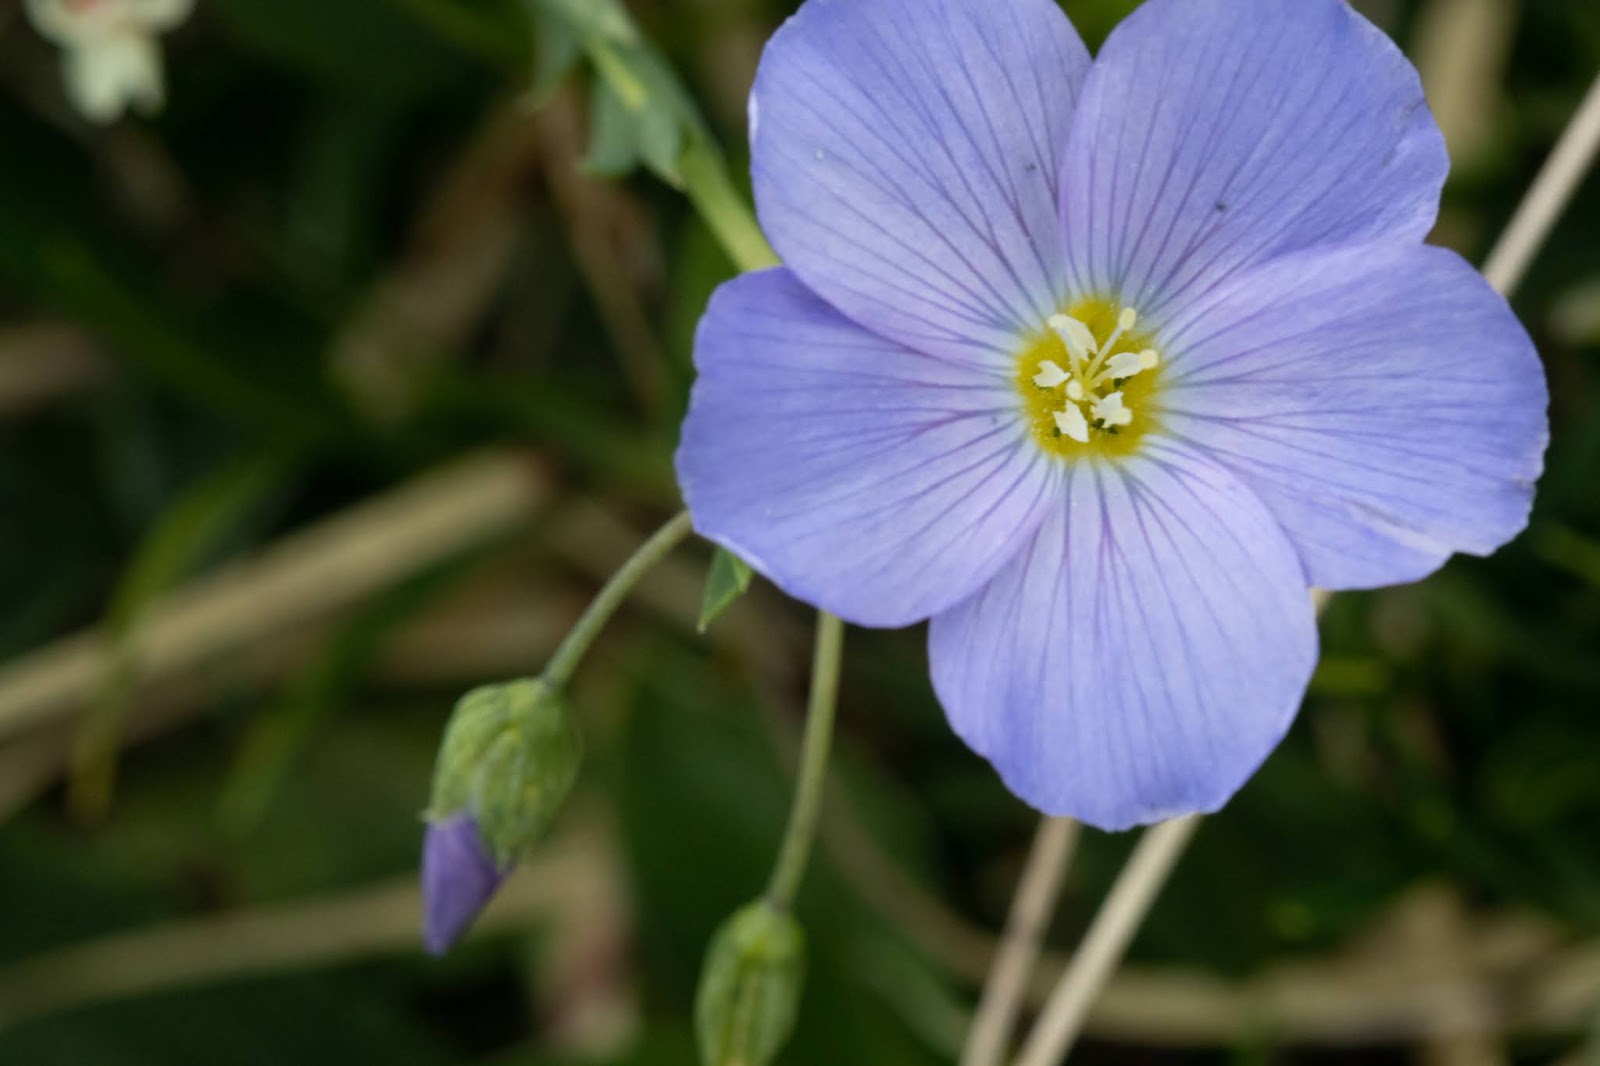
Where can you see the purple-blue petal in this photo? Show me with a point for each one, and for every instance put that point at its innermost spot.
(1145, 652)
(1214, 135)
(1384, 402)
(904, 155)
(875, 482)
(458, 880)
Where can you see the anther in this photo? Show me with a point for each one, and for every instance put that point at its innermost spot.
(1071, 423)
(1078, 338)
(1111, 412)
(1050, 375)
(1122, 365)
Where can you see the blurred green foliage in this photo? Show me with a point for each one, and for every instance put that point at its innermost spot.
(358, 245)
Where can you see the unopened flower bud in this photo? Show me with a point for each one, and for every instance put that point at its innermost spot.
(749, 991)
(509, 758)
(458, 880)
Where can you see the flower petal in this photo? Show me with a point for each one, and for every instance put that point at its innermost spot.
(1143, 655)
(1383, 402)
(872, 481)
(1214, 135)
(905, 154)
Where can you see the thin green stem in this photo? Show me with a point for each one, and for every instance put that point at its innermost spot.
(711, 190)
(614, 70)
(576, 644)
(790, 869)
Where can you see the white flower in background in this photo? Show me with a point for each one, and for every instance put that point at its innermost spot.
(112, 60)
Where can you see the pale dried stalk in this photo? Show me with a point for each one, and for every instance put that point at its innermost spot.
(330, 566)
(1552, 190)
(1108, 938)
(1031, 911)
(570, 876)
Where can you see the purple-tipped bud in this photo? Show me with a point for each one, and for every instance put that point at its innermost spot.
(458, 880)
(509, 758)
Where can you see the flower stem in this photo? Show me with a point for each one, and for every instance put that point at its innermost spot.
(1108, 938)
(1031, 912)
(790, 868)
(573, 648)
(711, 190)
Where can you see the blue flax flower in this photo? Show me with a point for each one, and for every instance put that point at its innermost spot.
(1100, 365)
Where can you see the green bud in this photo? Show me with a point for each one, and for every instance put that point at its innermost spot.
(750, 989)
(510, 756)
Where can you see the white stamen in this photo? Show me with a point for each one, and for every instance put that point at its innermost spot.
(1125, 321)
(1078, 337)
(1089, 371)
(1122, 365)
(1110, 411)
(1050, 375)
(1071, 423)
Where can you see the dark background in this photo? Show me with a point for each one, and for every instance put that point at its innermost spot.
(335, 389)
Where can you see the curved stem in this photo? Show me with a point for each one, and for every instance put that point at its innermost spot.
(790, 868)
(711, 190)
(1106, 941)
(1031, 911)
(576, 643)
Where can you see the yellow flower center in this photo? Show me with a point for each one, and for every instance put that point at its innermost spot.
(1088, 382)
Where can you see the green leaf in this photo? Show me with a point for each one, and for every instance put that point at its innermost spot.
(613, 142)
(642, 113)
(606, 20)
(728, 579)
(556, 52)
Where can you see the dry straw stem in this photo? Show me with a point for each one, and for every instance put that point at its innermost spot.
(1029, 921)
(1525, 986)
(329, 566)
(1108, 938)
(571, 879)
(497, 627)
(1552, 191)
(1462, 47)
(41, 361)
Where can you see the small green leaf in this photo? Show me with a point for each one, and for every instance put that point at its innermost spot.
(556, 52)
(606, 20)
(728, 579)
(642, 113)
(749, 995)
(613, 143)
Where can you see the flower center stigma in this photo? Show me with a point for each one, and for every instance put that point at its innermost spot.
(1087, 382)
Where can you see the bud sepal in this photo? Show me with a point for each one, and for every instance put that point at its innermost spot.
(749, 995)
(509, 758)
